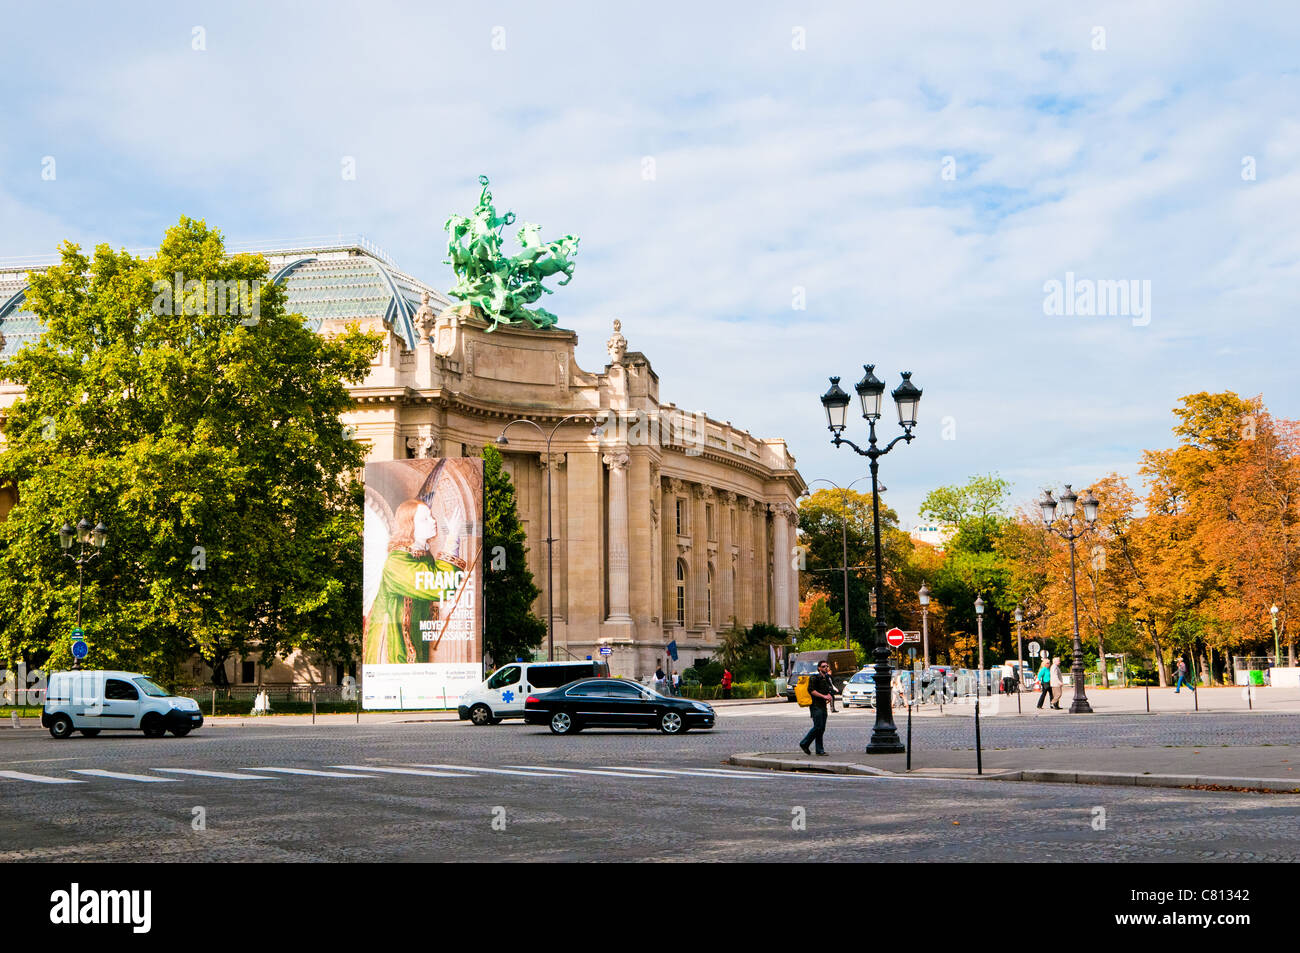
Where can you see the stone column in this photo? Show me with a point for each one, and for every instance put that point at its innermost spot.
(745, 563)
(700, 496)
(618, 536)
(762, 605)
(727, 614)
(780, 578)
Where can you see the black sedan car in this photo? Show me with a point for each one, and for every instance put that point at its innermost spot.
(613, 703)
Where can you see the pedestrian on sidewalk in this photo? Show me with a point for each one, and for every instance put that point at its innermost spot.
(660, 687)
(726, 683)
(822, 689)
(1058, 683)
(1044, 681)
(1182, 678)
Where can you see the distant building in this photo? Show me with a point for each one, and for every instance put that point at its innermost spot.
(668, 525)
(932, 534)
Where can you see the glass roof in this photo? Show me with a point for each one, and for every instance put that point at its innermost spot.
(328, 285)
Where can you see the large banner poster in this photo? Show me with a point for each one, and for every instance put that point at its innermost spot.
(423, 623)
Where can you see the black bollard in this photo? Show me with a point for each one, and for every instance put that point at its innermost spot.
(909, 737)
(1148, 687)
(979, 754)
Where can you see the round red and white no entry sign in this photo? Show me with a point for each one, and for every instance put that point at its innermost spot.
(894, 637)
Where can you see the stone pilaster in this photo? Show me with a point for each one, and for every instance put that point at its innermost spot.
(618, 537)
(745, 563)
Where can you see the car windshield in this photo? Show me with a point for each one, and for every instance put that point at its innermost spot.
(804, 668)
(862, 677)
(151, 689)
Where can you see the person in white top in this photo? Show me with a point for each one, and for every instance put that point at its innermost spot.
(1058, 683)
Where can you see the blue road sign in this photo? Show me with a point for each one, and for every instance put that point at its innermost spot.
(80, 649)
(606, 650)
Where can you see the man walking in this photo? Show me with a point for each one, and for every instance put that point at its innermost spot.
(821, 689)
(1044, 678)
(1182, 677)
(1057, 683)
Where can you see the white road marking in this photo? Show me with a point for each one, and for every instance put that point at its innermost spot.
(216, 774)
(427, 774)
(122, 776)
(696, 773)
(38, 778)
(315, 774)
(461, 767)
(535, 768)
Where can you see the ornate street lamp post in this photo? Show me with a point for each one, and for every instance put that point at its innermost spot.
(924, 596)
(1067, 502)
(979, 624)
(96, 537)
(844, 543)
(884, 736)
(550, 535)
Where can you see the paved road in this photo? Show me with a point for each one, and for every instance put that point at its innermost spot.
(431, 792)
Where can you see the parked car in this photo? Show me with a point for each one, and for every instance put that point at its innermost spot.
(614, 703)
(861, 689)
(95, 701)
(843, 662)
(503, 692)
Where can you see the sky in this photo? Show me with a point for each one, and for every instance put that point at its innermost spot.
(767, 194)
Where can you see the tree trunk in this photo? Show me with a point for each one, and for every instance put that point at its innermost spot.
(1207, 672)
(1101, 655)
(1160, 659)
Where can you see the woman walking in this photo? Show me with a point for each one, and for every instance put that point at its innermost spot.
(1044, 679)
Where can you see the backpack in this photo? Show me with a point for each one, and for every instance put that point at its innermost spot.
(801, 693)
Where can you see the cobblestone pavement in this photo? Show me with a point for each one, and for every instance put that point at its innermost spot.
(615, 795)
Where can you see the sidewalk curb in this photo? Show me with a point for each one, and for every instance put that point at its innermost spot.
(1038, 775)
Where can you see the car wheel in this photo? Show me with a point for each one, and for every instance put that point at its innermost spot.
(671, 723)
(152, 725)
(90, 732)
(562, 724)
(180, 732)
(481, 715)
(61, 727)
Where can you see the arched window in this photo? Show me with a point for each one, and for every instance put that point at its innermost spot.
(681, 592)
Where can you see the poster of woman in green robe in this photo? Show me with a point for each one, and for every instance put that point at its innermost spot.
(408, 598)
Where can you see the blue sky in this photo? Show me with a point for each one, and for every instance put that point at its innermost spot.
(775, 168)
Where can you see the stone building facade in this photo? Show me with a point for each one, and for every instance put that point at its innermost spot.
(667, 525)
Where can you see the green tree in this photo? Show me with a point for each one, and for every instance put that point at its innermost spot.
(200, 422)
(511, 630)
(822, 624)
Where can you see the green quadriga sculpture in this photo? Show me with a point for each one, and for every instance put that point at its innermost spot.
(499, 285)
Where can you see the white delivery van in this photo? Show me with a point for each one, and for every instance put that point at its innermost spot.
(502, 694)
(95, 701)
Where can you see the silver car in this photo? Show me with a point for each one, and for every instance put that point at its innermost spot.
(861, 689)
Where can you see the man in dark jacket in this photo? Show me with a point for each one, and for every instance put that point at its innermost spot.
(821, 688)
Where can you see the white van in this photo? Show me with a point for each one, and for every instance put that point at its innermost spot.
(91, 702)
(502, 694)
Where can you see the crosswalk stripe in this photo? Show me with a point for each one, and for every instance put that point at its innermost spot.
(534, 768)
(427, 774)
(696, 773)
(122, 776)
(216, 774)
(315, 774)
(461, 767)
(38, 778)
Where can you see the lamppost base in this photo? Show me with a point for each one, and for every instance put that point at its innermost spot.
(886, 742)
(1080, 706)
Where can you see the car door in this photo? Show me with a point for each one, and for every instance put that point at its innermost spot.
(121, 705)
(625, 705)
(505, 691)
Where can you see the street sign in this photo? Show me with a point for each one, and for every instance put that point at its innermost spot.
(895, 637)
(80, 649)
(912, 637)
(76, 634)
(1034, 648)
(606, 650)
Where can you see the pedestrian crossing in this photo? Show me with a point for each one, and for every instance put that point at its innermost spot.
(377, 771)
